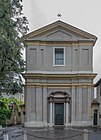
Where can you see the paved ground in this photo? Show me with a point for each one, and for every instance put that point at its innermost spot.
(62, 134)
(54, 134)
(95, 135)
(15, 133)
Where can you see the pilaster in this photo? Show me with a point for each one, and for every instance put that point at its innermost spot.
(39, 103)
(73, 105)
(44, 104)
(28, 105)
(80, 103)
(89, 103)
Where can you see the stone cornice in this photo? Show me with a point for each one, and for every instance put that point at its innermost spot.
(52, 42)
(59, 85)
(58, 76)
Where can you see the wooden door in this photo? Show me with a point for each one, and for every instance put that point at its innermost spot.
(59, 114)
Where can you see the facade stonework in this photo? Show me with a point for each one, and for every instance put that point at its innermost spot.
(59, 76)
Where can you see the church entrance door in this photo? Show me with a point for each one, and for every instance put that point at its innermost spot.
(59, 113)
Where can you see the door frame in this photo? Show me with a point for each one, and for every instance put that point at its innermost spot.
(61, 98)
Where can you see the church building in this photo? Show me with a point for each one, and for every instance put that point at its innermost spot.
(59, 76)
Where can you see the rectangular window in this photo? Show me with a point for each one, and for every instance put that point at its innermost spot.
(58, 56)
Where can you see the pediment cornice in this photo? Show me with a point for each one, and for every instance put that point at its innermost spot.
(60, 25)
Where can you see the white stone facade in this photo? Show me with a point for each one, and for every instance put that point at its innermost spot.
(59, 76)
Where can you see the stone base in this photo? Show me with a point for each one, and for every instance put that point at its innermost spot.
(35, 124)
(50, 124)
(81, 123)
(67, 124)
(45, 124)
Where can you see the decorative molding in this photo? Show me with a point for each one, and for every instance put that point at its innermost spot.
(57, 85)
(60, 25)
(48, 43)
(58, 76)
(63, 97)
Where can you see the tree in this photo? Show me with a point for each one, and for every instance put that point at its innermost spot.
(6, 108)
(5, 112)
(13, 26)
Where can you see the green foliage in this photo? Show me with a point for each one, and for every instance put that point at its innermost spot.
(5, 111)
(13, 26)
(18, 103)
(4, 115)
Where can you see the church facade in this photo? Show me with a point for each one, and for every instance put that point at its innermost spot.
(59, 76)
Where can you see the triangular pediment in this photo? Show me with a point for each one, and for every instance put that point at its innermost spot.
(59, 31)
(59, 35)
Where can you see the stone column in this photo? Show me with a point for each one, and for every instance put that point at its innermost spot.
(64, 112)
(51, 114)
(51, 111)
(67, 111)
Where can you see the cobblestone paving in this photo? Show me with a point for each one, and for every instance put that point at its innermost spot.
(15, 133)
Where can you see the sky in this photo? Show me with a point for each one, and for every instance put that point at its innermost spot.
(83, 14)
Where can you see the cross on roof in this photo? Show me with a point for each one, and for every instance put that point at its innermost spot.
(59, 15)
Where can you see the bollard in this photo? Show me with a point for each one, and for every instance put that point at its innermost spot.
(25, 135)
(5, 136)
(85, 134)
